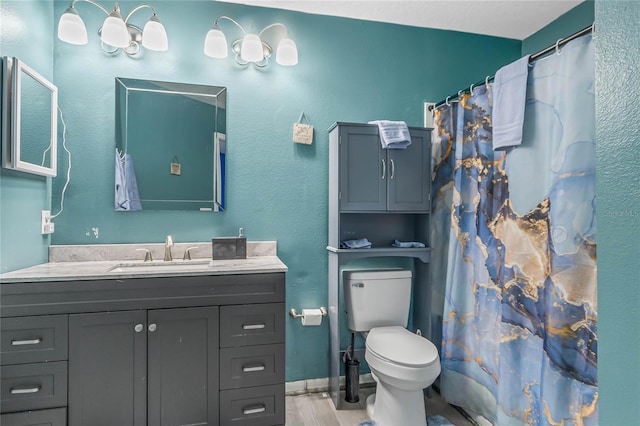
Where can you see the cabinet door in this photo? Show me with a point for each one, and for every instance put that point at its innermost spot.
(363, 170)
(408, 174)
(183, 366)
(108, 369)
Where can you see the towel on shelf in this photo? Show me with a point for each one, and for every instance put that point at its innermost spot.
(509, 98)
(407, 244)
(393, 134)
(355, 244)
(127, 197)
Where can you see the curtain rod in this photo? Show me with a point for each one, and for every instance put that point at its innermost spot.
(561, 42)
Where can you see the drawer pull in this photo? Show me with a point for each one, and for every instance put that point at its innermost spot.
(254, 410)
(26, 342)
(253, 368)
(253, 326)
(21, 391)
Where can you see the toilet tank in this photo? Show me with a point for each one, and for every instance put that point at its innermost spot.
(377, 298)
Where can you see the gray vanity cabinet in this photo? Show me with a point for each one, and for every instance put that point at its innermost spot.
(108, 351)
(162, 362)
(375, 179)
(157, 351)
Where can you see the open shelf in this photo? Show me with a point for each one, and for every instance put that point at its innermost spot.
(424, 254)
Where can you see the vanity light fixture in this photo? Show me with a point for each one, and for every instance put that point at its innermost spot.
(251, 48)
(116, 33)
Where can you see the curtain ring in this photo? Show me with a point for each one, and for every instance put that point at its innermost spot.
(446, 101)
(486, 81)
(593, 31)
(471, 89)
(558, 46)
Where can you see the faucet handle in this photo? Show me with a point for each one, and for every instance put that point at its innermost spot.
(187, 253)
(147, 254)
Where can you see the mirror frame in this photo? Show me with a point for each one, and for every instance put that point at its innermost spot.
(128, 86)
(13, 71)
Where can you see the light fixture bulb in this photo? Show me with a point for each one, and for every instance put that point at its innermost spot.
(251, 48)
(71, 28)
(114, 30)
(215, 44)
(287, 52)
(154, 36)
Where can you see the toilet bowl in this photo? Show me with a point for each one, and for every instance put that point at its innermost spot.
(403, 364)
(377, 303)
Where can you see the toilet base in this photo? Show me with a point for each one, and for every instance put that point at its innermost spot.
(393, 407)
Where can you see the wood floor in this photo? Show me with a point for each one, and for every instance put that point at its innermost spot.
(317, 409)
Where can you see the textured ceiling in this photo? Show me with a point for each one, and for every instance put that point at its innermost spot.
(502, 18)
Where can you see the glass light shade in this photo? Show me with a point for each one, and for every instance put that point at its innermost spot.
(251, 48)
(215, 45)
(154, 36)
(114, 30)
(287, 53)
(71, 28)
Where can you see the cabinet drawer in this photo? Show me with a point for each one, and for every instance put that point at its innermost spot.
(260, 406)
(33, 339)
(251, 366)
(33, 386)
(260, 324)
(55, 417)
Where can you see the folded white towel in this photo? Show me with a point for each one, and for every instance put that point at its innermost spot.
(393, 134)
(509, 98)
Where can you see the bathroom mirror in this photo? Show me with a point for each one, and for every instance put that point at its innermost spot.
(170, 146)
(29, 119)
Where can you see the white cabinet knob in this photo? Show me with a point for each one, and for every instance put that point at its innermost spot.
(138, 328)
(152, 327)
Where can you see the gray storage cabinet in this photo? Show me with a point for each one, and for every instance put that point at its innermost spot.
(382, 195)
(206, 350)
(376, 179)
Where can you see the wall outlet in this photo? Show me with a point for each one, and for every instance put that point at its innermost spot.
(428, 113)
(46, 226)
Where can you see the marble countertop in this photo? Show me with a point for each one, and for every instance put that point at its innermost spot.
(261, 259)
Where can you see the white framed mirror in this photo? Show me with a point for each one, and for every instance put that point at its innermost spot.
(29, 119)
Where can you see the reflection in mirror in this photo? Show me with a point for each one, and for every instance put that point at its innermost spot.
(29, 120)
(170, 146)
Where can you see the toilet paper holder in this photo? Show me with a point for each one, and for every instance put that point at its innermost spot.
(295, 314)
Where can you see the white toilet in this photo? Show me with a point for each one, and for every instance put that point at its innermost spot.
(402, 363)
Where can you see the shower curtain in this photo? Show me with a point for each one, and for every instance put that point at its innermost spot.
(515, 260)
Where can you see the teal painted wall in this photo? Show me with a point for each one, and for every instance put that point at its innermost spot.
(24, 196)
(574, 20)
(618, 195)
(349, 70)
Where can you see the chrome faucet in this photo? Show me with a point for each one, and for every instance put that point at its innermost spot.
(167, 248)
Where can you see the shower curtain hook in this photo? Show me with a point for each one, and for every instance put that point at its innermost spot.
(460, 94)
(471, 89)
(558, 46)
(593, 31)
(446, 101)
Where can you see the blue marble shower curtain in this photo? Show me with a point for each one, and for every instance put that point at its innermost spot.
(516, 257)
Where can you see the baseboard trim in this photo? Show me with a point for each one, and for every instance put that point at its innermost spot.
(321, 385)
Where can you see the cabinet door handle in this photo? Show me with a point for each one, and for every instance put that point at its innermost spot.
(21, 391)
(253, 368)
(152, 327)
(25, 342)
(138, 328)
(393, 168)
(253, 326)
(384, 168)
(254, 410)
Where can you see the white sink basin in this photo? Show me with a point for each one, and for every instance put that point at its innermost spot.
(159, 265)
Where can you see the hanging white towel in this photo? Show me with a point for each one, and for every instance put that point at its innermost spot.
(126, 185)
(393, 134)
(509, 98)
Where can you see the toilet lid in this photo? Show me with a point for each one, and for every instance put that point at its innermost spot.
(400, 346)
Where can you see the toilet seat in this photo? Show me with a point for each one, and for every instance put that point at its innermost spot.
(399, 346)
